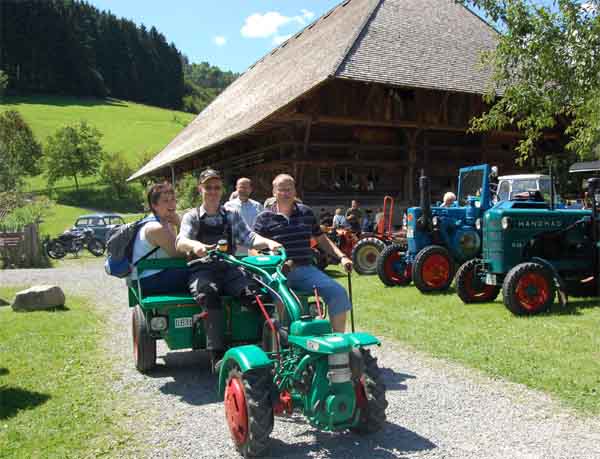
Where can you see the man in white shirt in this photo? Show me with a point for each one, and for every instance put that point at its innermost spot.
(248, 208)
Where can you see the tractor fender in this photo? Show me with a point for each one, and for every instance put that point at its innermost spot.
(560, 283)
(246, 358)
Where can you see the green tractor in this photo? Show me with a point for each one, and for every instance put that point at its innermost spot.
(533, 251)
(282, 357)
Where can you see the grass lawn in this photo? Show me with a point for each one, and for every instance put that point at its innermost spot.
(130, 128)
(557, 352)
(54, 377)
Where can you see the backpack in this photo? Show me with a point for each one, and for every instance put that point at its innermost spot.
(119, 248)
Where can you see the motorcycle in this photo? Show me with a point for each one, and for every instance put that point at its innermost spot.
(73, 241)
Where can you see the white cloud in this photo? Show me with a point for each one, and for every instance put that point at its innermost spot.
(220, 40)
(307, 15)
(266, 25)
(279, 39)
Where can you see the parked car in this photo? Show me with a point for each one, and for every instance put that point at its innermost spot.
(101, 224)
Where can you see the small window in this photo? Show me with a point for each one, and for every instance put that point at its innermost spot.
(82, 222)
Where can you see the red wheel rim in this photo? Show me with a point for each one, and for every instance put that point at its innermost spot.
(532, 291)
(391, 273)
(475, 292)
(371, 258)
(435, 271)
(235, 410)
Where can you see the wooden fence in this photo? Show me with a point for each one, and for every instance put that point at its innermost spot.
(22, 249)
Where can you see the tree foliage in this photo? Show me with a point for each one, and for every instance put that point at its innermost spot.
(547, 67)
(115, 171)
(3, 83)
(73, 151)
(188, 195)
(203, 83)
(68, 46)
(20, 153)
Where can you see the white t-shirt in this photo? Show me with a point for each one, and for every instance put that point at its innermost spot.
(141, 247)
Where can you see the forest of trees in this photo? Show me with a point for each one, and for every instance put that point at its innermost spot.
(70, 47)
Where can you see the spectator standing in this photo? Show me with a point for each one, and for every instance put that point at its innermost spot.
(248, 208)
(354, 216)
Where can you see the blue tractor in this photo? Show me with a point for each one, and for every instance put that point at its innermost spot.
(440, 238)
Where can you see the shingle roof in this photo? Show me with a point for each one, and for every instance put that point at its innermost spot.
(421, 43)
(432, 44)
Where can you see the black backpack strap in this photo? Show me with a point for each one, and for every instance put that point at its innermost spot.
(228, 229)
(146, 256)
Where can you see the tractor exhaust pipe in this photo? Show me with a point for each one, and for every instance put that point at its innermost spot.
(552, 197)
(424, 200)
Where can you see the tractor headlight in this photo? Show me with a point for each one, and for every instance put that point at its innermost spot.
(435, 221)
(505, 222)
(478, 224)
(158, 323)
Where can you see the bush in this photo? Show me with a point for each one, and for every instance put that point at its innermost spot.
(102, 197)
(187, 192)
(114, 172)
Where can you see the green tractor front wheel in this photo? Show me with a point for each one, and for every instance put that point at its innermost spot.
(248, 410)
(144, 346)
(370, 394)
(469, 286)
(528, 289)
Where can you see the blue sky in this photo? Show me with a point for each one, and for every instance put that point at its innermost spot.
(232, 34)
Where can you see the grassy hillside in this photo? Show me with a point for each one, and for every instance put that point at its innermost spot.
(130, 128)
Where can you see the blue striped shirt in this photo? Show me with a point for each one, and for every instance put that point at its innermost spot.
(293, 233)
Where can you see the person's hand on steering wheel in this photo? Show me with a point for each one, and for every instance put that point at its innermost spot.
(273, 246)
(346, 262)
(202, 249)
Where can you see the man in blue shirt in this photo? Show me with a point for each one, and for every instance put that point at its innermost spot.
(248, 208)
(292, 224)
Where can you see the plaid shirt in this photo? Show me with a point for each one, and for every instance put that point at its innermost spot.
(190, 224)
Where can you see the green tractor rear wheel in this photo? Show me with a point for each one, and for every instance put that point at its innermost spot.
(433, 269)
(248, 410)
(370, 394)
(528, 289)
(470, 287)
(144, 346)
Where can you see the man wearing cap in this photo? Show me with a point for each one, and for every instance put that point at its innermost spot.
(248, 208)
(201, 228)
(292, 224)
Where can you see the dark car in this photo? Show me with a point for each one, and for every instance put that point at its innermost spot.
(101, 224)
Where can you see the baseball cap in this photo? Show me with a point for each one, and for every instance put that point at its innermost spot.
(208, 174)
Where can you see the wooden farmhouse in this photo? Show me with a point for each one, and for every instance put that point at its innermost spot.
(354, 106)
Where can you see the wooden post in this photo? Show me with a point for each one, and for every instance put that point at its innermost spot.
(412, 160)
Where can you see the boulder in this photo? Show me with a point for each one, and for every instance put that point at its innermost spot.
(39, 297)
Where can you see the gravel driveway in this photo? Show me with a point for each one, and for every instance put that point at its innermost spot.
(436, 409)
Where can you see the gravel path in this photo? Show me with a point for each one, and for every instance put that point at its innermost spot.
(436, 409)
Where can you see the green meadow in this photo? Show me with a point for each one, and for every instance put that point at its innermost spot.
(134, 130)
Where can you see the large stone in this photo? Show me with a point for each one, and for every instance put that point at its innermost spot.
(39, 297)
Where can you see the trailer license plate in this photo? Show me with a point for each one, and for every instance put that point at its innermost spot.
(490, 279)
(183, 322)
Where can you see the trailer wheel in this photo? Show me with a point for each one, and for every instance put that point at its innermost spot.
(248, 410)
(144, 346)
(433, 269)
(528, 289)
(392, 268)
(370, 394)
(469, 286)
(365, 253)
